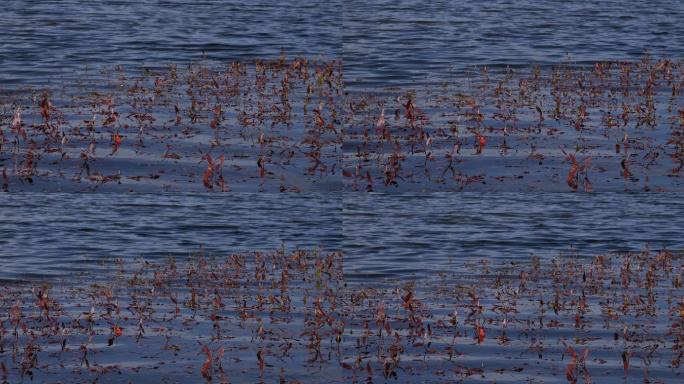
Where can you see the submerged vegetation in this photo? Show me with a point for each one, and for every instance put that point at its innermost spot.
(290, 125)
(290, 316)
(610, 126)
(271, 124)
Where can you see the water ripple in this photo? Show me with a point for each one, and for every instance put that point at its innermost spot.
(396, 235)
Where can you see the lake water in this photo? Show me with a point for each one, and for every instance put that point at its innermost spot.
(56, 234)
(421, 235)
(41, 39)
(401, 42)
(382, 42)
(385, 240)
(380, 235)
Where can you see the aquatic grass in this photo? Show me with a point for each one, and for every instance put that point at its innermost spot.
(291, 315)
(290, 125)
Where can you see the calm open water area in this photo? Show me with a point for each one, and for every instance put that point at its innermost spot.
(391, 236)
(393, 211)
(382, 42)
(48, 42)
(403, 42)
(60, 234)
